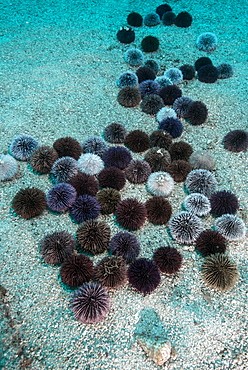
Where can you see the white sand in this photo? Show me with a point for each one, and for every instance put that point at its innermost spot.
(59, 62)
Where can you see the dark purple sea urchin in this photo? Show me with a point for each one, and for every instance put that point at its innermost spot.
(85, 208)
(143, 275)
(61, 196)
(90, 303)
(126, 245)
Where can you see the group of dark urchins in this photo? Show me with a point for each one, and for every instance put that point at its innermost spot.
(87, 181)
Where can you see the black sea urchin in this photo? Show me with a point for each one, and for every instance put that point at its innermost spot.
(168, 259)
(143, 275)
(29, 202)
(131, 214)
(76, 270)
(210, 242)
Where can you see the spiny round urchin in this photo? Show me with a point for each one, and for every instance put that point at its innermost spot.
(76, 270)
(198, 204)
(159, 210)
(131, 214)
(115, 133)
(225, 70)
(219, 272)
(128, 78)
(188, 71)
(43, 158)
(236, 141)
(181, 106)
(93, 236)
(137, 141)
(134, 57)
(207, 74)
(151, 19)
(29, 202)
(149, 87)
(90, 163)
(61, 196)
(68, 147)
(125, 35)
(180, 150)
(197, 113)
(207, 41)
(202, 61)
(160, 183)
(111, 271)
(202, 159)
(108, 199)
(171, 125)
(138, 171)
(8, 167)
(126, 245)
(210, 242)
(201, 181)
(117, 156)
(90, 303)
(165, 112)
(168, 18)
(85, 184)
(179, 170)
(183, 19)
(161, 139)
(231, 227)
(169, 94)
(174, 75)
(84, 208)
(150, 44)
(143, 275)
(112, 177)
(223, 202)
(163, 81)
(64, 169)
(151, 104)
(185, 227)
(129, 96)
(153, 64)
(134, 19)
(57, 247)
(158, 159)
(95, 145)
(168, 259)
(22, 147)
(145, 73)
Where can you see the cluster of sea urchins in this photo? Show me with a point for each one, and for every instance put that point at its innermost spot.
(163, 14)
(88, 177)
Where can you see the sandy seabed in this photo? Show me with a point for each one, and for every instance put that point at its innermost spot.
(59, 64)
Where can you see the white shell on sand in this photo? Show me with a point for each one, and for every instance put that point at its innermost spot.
(159, 352)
